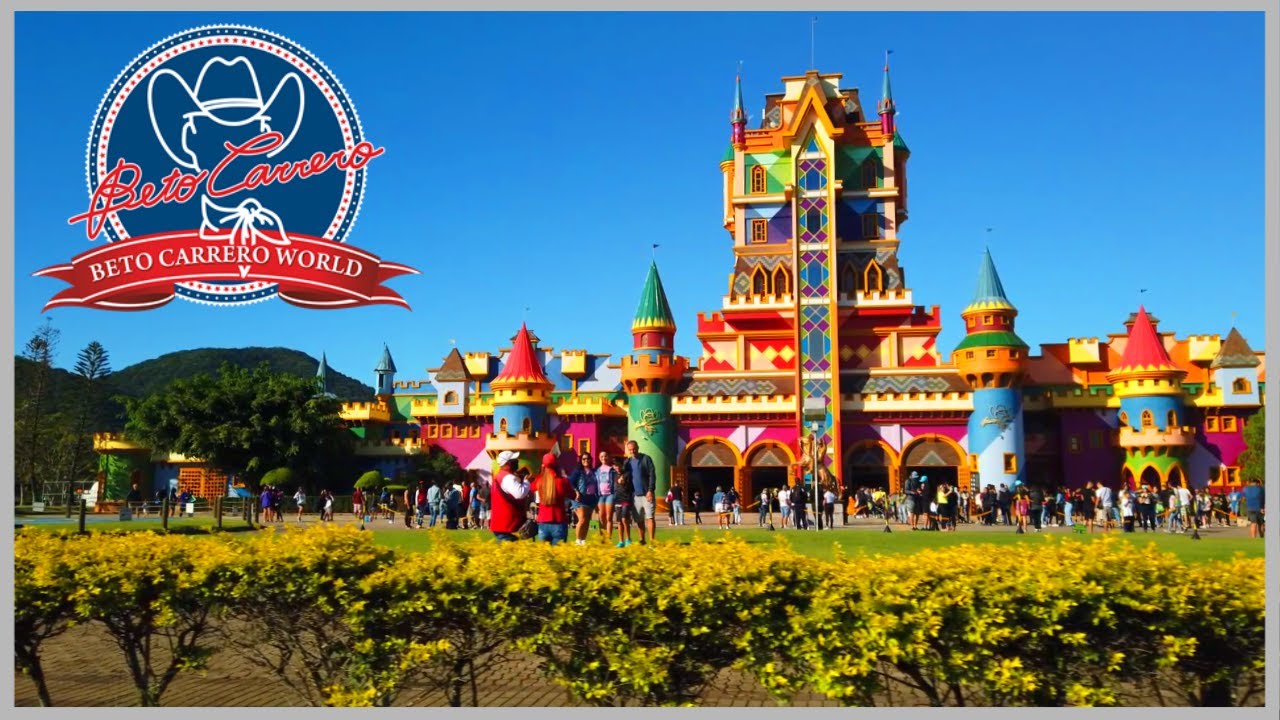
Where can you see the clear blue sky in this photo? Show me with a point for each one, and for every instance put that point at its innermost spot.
(533, 158)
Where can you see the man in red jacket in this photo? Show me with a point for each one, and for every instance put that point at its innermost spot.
(509, 497)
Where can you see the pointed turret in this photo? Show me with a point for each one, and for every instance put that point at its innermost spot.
(322, 375)
(989, 294)
(1235, 371)
(1235, 353)
(651, 375)
(521, 394)
(886, 106)
(1144, 355)
(738, 118)
(385, 372)
(993, 360)
(653, 326)
(989, 326)
(1154, 422)
(522, 371)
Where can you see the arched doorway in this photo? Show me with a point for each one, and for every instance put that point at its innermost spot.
(870, 464)
(768, 466)
(1175, 476)
(1150, 476)
(709, 463)
(937, 459)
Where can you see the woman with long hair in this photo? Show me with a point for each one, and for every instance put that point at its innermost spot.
(606, 486)
(553, 489)
(587, 489)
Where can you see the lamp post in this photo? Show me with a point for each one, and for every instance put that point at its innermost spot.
(815, 412)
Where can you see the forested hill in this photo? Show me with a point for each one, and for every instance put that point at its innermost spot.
(150, 376)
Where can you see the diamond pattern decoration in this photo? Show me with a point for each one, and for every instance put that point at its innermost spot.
(846, 353)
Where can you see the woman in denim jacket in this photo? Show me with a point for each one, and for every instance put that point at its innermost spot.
(583, 481)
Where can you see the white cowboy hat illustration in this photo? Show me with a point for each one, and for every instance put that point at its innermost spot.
(226, 93)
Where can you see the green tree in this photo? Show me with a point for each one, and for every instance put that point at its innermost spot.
(92, 365)
(437, 464)
(244, 422)
(30, 454)
(371, 480)
(1253, 459)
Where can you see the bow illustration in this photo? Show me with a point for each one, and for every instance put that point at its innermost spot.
(240, 224)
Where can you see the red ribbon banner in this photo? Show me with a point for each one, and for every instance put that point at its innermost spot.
(139, 274)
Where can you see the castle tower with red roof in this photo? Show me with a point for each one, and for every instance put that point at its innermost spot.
(1156, 429)
(521, 394)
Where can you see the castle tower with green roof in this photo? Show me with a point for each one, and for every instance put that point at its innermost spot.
(651, 375)
(992, 359)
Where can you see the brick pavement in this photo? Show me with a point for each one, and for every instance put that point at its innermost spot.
(85, 669)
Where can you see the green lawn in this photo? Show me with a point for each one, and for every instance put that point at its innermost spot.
(855, 542)
(1215, 545)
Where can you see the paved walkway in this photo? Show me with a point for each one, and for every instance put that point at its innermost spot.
(85, 669)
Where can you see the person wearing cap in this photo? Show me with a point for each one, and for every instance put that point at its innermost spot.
(508, 497)
(553, 489)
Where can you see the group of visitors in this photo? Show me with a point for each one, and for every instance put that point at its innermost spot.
(621, 490)
(793, 502)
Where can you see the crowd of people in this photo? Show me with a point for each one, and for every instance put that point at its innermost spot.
(616, 496)
(1092, 508)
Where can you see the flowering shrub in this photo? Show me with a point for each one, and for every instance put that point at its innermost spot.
(347, 623)
(287, 603)
(42, 606)
(155, 595)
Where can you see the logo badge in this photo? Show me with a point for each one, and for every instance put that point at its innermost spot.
(226, 165)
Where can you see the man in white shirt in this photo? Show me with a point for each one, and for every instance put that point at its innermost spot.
(1186, 507)
(784, 504)
(1104, 504)
(508, 501)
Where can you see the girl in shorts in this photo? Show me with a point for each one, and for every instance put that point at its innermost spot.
(623, 497)
(606, 483)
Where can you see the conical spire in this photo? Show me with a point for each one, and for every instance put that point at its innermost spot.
(522, 368)
(886, 107)
(739, 115)
(322, 373)
(886, 92)
(654, 313)
(990, 293)
(1235, 353)
(386, 364)
(738, 118)
(1145, 351)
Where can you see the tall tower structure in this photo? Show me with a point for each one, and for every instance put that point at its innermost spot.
(322, 376)
(521, 394)
(993, 361)
(385, 374)
(1155, 431)
(651, 375)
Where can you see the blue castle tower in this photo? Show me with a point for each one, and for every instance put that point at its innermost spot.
(385, 373)
(993, 360)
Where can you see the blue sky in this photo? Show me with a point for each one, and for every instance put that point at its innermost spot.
(532, 159)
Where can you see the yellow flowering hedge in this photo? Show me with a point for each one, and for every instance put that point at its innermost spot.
(347, 623)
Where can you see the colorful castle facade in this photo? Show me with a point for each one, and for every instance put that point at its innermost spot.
(819, 350)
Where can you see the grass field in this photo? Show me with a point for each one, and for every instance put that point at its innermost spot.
(849, 542)
(866, 542)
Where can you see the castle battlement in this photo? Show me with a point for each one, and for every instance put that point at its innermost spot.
(376, 411)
